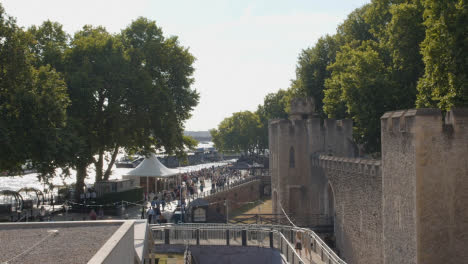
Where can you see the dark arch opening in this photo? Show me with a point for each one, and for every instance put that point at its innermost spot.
(330, 203)
(292, 162)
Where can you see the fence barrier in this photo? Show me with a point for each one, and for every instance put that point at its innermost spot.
(280, 237)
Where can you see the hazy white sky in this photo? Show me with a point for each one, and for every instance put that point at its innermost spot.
(244, 49)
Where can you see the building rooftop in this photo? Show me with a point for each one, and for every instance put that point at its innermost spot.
(65, 242)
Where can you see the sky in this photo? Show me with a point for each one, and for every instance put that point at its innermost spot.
(244, 49)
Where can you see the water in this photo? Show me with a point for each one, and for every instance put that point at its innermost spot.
(31, 180)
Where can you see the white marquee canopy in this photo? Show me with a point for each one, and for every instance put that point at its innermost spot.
(152, 167)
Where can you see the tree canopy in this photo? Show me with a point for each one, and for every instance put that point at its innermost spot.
(238, 133)
(33, 102)
(68, 101)
(386, 55)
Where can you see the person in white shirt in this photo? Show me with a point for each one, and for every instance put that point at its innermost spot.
(150, 214)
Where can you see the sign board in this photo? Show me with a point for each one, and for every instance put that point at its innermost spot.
(199, 215)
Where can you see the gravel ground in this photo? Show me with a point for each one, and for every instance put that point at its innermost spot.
(68, 245)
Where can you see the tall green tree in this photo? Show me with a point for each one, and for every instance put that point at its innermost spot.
(365, 86)
(445, 53)
(312, 71)
(96, 71)
(130, 91)
(49, 44)
(275, 105)
(403, 36)
(238, 133)
(389, 49)
(33, 101)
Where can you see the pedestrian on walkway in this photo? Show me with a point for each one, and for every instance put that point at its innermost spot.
(150, 214)
(157, 214)
(298, 243)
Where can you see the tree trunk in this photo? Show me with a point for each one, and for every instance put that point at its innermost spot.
(80, 177)
(99, 165)
(111, 163)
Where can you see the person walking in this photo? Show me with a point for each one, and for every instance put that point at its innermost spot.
(157, 213)
(92, 215)
(298, 244)
(150, 214)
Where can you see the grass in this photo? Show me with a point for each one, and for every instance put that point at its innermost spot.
(169, 258)
(258, 207)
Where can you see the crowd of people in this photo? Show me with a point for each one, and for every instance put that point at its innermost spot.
(192, 183)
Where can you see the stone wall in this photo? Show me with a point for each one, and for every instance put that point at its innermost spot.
(410, 207)
(425, 186)
(236, 197)
(293, 143)
(355, 197)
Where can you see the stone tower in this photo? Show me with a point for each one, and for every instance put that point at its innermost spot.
(425, 186)
(293, 143)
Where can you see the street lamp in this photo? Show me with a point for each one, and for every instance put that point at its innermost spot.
(66, 207)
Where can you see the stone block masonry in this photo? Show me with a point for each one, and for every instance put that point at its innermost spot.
(409, 207)
(354, 191)
(236, 196)
(425, 186)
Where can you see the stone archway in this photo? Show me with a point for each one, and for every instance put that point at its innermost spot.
(329, 201)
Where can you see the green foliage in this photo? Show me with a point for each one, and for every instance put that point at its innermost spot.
(377, 66)
(32, 104)
(362, 82)
(65, 102)
(48, 44)
(190, 142)
(130, 90)
(275, 105)
(311, 70)
(238, 133)
(445, 53)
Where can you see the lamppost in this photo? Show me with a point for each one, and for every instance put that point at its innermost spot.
(66, 207)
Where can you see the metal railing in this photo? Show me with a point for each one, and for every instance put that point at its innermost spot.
(280, 237)
(225, 187)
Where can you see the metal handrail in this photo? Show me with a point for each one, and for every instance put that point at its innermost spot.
(227, 187)
(186, 231)
(194, 235)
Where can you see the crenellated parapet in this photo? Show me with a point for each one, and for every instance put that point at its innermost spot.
(404, 121)
(353, 165)
(424, 174)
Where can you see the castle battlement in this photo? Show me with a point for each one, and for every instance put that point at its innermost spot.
(404, 120)
(302, 108)
(395, 208)
(356, 165)
(328, 125)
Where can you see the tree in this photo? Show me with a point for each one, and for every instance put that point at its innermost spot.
(96, 71)
(32, 104)
(444, 49)
(389, 49)
(237, 133)
(130, 90)
(49, 44)
(361, 81)
(274, 106)
(403, 36)
(311, 70)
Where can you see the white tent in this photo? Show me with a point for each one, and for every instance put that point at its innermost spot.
(151, 167)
